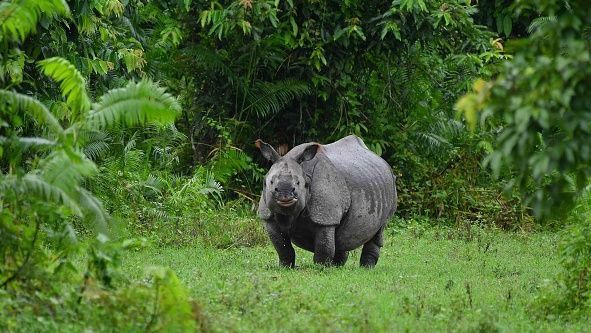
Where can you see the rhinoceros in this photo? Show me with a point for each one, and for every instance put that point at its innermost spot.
(327, 199)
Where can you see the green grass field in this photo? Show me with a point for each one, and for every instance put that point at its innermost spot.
(428, 279)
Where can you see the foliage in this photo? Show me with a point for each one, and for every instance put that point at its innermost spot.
(87, 132)
(43, 192)
(137, 103)
(388, 72)
(538, 106)
(570, 292)
(576, 260)
(52, 188)
(159, 302)
(19, 18)
(60, 173)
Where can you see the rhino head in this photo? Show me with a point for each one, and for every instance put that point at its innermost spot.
(285, 190)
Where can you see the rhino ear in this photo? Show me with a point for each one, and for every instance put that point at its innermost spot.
(309, 153)
(267, 150)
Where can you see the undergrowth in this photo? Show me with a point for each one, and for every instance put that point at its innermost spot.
(569, 293)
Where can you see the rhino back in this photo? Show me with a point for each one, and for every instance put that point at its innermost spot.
(372, 188)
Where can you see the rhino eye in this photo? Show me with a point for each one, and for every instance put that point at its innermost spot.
(298, 183)
(271, 182)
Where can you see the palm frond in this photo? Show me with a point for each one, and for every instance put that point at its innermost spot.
(19, 18)
(211, 186)
(131, 143)
(96, 149)
(168, 135)
(32, 185)
(27, 142)
(137, 103)
(432, 141)
(214, 62)
(96, 144)
(71, 81)
(67, 169)
(540, 22)
(440, 133)
(228, 162)
(33, 107)
(134, 160)
(92, 207)
(153, 184)
(266, 98)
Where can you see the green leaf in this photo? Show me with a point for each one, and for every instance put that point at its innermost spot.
(294, 26)
(187, 4)
(507, 25)
(72, 83)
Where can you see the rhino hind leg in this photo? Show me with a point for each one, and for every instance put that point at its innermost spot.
(340, 258)
(371, 250)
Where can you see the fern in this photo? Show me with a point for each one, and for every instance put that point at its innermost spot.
(34, 108)
(137, 103)
(432, 141)
(72, 83)
(18, 19)
(268, 98)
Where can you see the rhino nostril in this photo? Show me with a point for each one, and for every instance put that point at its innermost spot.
(292, 189)
(276, 189)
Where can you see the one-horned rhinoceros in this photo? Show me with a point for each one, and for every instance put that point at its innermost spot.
(328, 199)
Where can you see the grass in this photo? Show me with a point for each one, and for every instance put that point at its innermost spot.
(427, 279)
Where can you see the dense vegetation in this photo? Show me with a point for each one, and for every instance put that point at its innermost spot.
(126, 140)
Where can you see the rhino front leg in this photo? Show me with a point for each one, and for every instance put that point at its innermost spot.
(340, 257)
(324, 246)
(282, 245)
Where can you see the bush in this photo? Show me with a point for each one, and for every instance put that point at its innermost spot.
(160, 304)
(570, 292)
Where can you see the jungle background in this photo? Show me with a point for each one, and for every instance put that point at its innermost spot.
(129, 177)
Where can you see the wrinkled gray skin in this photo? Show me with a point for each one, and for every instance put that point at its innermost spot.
(328, 199)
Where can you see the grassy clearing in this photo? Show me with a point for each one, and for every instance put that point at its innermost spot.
(428, 279)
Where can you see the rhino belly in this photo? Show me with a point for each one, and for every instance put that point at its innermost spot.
(302, 234)
(371, 208)
(372, 189)
(357, 229)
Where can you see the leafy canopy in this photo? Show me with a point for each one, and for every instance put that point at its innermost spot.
(540, 107)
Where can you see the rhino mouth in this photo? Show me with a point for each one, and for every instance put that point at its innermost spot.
(287, 203)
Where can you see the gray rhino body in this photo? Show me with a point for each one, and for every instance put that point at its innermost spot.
(328, 199)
